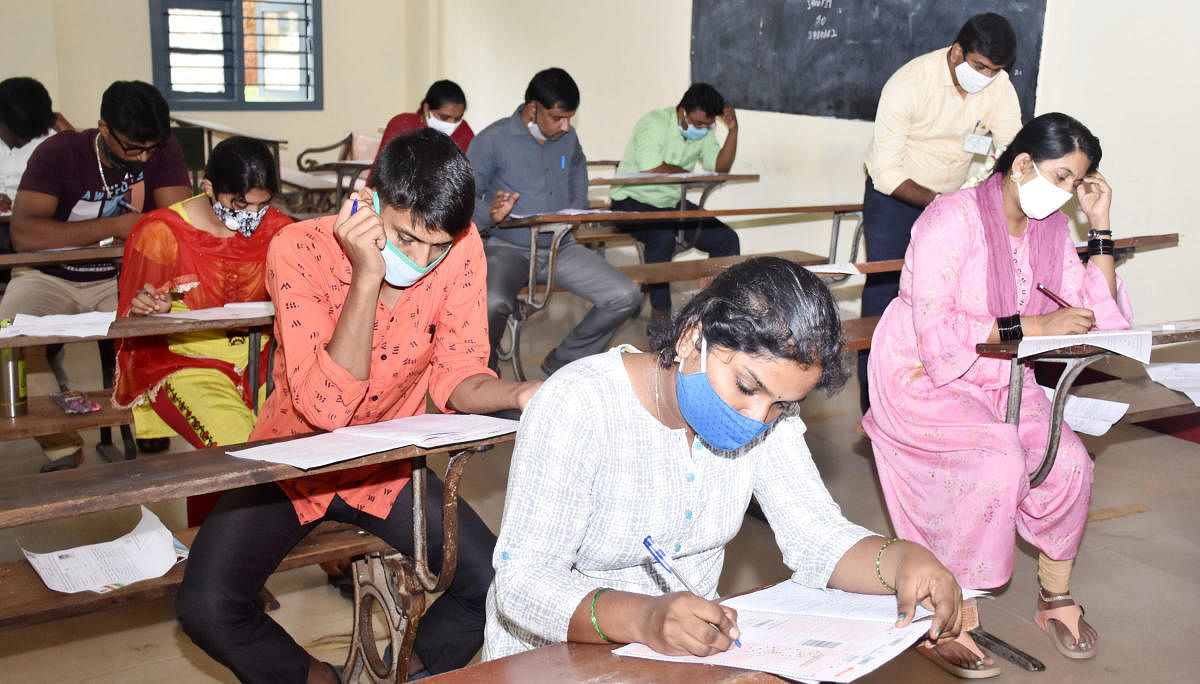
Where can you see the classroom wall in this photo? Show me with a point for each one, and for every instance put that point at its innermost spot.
(1108, 66)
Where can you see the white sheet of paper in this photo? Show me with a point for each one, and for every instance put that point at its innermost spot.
(65, 325)
(838, 268)
(220, 313)
(1134, 343)
(146, 552)
(426, 430)
(1090, 416)
(1181, 377)
(810, 634)
(682, 176)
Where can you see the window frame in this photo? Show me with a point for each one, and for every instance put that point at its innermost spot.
(234, 97)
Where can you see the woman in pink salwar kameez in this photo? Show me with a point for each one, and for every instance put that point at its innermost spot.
(953, 473)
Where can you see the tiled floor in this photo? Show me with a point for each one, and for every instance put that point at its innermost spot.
(1138, 573)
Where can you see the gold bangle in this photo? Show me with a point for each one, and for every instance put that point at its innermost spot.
(878, 571)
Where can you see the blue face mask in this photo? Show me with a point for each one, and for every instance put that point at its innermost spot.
(693, 133)
(400, 270)
(720, 425)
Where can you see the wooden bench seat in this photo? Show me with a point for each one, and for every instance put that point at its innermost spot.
(1147, 399)
(46, 418)
(859, 331)
(25, 600)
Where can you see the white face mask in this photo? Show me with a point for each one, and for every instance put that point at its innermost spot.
(442, 126)
(1039, 197)
(535, 131)
(970, 80)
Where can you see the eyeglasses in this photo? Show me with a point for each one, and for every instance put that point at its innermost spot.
(134, 149)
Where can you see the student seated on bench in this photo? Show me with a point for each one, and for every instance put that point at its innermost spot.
(207, 251)
(443, 109)
(402, 277)
(81, 187)
(671, 140)
(673, 444)
(26, 120)
(531, 162)
(954, 474)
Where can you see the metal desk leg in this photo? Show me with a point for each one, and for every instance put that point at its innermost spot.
(835, 234)
(689, 242)
(1061, 391)
(1013, 414)
(530, 303)
(255, 341)
(396, 584)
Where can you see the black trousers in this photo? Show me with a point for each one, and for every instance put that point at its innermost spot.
(887, 227)
(658, 238)
(253, 528)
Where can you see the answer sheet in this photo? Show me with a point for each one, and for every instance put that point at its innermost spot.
(1090, 416)
(810, 634)
(88, 324)
(220, 313)
(1134, 343)
(1181, 377)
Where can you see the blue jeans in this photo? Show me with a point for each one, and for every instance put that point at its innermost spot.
(614, 296)
(658, 237)
(887, 226)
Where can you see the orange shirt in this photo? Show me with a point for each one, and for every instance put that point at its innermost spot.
(434, 338)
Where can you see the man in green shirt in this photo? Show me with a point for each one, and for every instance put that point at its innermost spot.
(671, 140)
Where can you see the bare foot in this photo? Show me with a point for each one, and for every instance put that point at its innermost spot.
(1087, 634)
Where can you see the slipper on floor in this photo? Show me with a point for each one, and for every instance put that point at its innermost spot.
(1069, 616)
(926, 649)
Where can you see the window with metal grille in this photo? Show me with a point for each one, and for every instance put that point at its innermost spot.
(237, 54)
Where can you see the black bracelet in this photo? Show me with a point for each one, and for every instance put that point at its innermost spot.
(1100, 246)
(1010, 328)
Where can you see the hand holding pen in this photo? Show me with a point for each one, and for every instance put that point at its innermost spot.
(1067, 320)
(150, 300)
(690, 613)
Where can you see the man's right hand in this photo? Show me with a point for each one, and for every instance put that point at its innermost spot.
(502, 204)
(361, 236)
(5, 202)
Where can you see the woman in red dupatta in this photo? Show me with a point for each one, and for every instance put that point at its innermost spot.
(207, 251)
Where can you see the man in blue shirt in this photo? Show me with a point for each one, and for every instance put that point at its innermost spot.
(530, 163)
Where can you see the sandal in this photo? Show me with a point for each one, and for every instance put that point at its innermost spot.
(1068, 616)
(970, 621)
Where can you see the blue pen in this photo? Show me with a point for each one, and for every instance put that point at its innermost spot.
(128, 206)
(658, 555)
(562, 161)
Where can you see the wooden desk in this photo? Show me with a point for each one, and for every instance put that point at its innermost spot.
(28, 499)
(62, 256)
(228, 131)
(572, 662)
(1075, 359)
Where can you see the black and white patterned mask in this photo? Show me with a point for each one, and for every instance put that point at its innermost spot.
(243, 221)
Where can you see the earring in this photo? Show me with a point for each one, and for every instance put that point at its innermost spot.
(1016, 176)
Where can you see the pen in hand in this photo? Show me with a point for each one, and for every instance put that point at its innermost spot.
(658, 555)
(1062, 303)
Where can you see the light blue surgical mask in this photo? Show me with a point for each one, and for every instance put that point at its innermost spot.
(693, 133)
(400, 270)
(717, 423)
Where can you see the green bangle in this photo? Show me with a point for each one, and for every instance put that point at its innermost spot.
(595, 624)
(878, 572)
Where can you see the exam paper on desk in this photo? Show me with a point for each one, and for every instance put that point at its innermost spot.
(1090, 416)
(1181, 377)
(87, 324)
(1134, 343)
(147, 552)
(810, 634)
(220, 313)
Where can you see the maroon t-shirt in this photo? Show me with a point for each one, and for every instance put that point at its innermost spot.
(64, 166)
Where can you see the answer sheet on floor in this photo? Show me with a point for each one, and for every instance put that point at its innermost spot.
(810, 634)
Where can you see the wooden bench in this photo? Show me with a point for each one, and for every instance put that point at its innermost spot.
(25, 600)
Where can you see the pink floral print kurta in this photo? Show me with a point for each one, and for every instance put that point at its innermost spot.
(954, 474)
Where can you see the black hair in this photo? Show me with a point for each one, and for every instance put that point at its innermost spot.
(1051, 136)
(551, 87)
(239, 164)
(990, 35)
(764, 306)
(426, 173)
(25, 107)
(136, 110)
(444, 92)
(703, 96)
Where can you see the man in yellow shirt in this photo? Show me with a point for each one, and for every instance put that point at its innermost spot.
(934, 114)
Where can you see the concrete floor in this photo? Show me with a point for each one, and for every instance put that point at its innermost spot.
(1138, 571)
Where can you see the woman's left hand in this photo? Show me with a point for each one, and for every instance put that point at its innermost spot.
(921, 578)
(1095, 198)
